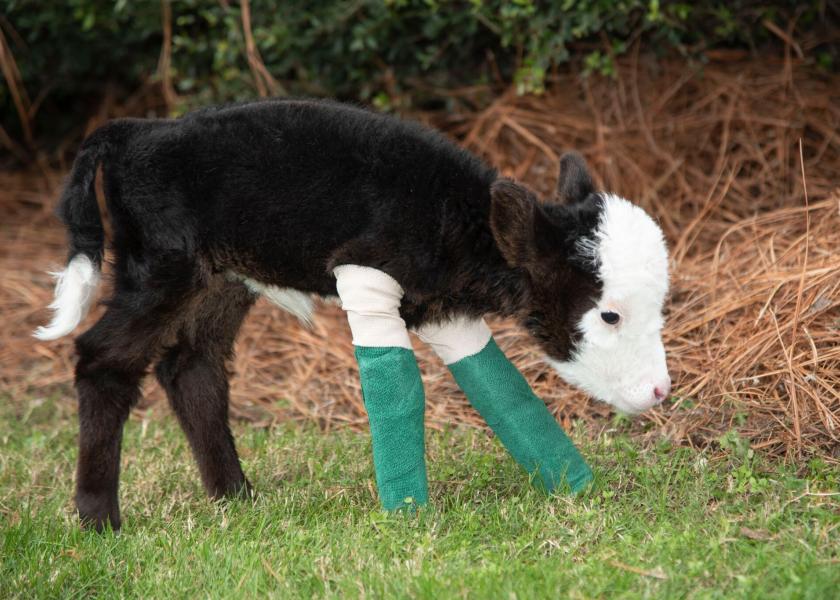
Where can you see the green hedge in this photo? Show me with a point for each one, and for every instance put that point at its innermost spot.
(69, 51)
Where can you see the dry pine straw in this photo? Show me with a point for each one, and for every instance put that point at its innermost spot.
(753, 322)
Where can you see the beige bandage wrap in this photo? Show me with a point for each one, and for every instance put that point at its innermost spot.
(371, 299)
(456, 338)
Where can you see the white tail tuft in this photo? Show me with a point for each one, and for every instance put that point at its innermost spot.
(74, 290)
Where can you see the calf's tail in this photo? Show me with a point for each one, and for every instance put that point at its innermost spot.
(79, 211)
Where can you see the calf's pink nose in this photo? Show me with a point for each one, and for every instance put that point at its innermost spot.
(662, 391)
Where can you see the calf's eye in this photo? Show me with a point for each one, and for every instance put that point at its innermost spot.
(610, 318)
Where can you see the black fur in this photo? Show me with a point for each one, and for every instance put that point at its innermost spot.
(282, 191)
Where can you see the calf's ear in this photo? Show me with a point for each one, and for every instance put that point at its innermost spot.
(575, 183)
(515, 216)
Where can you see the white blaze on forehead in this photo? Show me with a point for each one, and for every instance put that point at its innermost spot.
(631, 252)
(624, 363)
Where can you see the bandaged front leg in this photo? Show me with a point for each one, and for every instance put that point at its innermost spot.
(391, 384)
(504, 399)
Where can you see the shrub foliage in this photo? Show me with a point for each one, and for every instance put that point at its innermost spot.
(70, 51)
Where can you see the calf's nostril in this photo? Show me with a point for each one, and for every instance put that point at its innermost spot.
(662, 391)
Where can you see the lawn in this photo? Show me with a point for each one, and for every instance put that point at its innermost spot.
(662, 521)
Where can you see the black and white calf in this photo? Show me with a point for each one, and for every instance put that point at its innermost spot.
(210, 210)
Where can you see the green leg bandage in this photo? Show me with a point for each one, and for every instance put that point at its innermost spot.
(521, 421)
(391, 384)
(394, 400)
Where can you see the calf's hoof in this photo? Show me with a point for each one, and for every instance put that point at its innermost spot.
(97, 513)
(240, 490)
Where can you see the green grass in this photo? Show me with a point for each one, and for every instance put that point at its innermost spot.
(662, 522)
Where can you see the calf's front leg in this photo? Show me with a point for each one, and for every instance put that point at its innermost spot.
(496, 388)
(391, 384)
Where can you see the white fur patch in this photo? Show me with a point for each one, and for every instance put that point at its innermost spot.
(455, 339)
(623, 364)
(291, 300)
(74, 292)
(631, 251)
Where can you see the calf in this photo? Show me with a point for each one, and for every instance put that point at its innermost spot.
(290, 198)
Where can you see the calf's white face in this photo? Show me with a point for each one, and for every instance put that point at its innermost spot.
(597, 268)
(619, 357)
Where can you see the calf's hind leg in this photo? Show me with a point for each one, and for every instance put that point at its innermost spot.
(194, 375)
(113, 357)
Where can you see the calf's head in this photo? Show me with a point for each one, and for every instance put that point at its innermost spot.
(597, 273)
